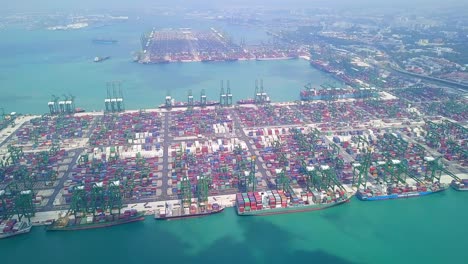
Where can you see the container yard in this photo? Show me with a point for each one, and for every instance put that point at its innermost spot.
(261, 157)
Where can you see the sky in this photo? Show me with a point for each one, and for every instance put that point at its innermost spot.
(47, 5)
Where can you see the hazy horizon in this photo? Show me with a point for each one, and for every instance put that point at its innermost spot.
(53, 5)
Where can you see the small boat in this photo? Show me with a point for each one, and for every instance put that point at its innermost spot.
(99, 59)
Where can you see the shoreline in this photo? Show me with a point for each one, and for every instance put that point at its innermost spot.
(44, 218)
(144, 62)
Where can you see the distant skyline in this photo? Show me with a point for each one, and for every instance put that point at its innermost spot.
(46, 5)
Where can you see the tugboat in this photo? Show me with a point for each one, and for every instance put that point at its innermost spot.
(460, 185)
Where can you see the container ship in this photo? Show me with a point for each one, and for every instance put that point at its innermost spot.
(13, 227)
(185, 104)
(460, 185)
(67, 223)
(382, 192)
(278, 202)
(104, 41)
(175, 211)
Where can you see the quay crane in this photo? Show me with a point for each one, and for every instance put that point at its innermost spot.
(247, 179)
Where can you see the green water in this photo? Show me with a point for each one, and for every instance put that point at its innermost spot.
(430, 229)
(36, 64)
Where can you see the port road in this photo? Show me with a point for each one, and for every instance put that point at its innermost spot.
(242, 136)
(165, 169)
(50, 204)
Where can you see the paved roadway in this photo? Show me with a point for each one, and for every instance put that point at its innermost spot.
(166, 145)
(242, 136)
(76, 154)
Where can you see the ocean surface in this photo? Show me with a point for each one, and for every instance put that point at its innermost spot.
(430, 229)
(36, 64)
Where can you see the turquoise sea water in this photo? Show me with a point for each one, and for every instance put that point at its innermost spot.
(422, 230)
(37, 64)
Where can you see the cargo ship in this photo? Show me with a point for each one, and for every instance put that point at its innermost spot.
(460, 185)
(252, 101)
(67, 223)
(175, 211)
(278, 202)
(13, 227)
(104, 41)
(382, 192)
(99, 59)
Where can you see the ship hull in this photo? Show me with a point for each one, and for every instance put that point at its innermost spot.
(101, 41)
(19, 232)
(458, 189)
(189, 215)
(292, 209)
(397, 196)
(139, 217)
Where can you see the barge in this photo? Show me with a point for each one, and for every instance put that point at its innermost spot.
(174, 211)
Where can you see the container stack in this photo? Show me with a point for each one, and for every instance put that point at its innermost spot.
(200, 121)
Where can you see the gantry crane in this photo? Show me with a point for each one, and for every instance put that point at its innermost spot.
(7, 209)
(313, 180)
(202, 190)
(361, 170)
(282, 180)
(329, 178)
(24, 205)
(247, 179)
(228, 95)
(114, 196)
(79, 201)
(393, 171)
(202, 98)
(186, 190)
(435, 168)
(22, 178)
(190, 103)
(16, 153)
(97, 199)
(222, 96)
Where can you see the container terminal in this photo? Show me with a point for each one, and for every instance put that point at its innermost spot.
(73, 170)
(188, 45)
